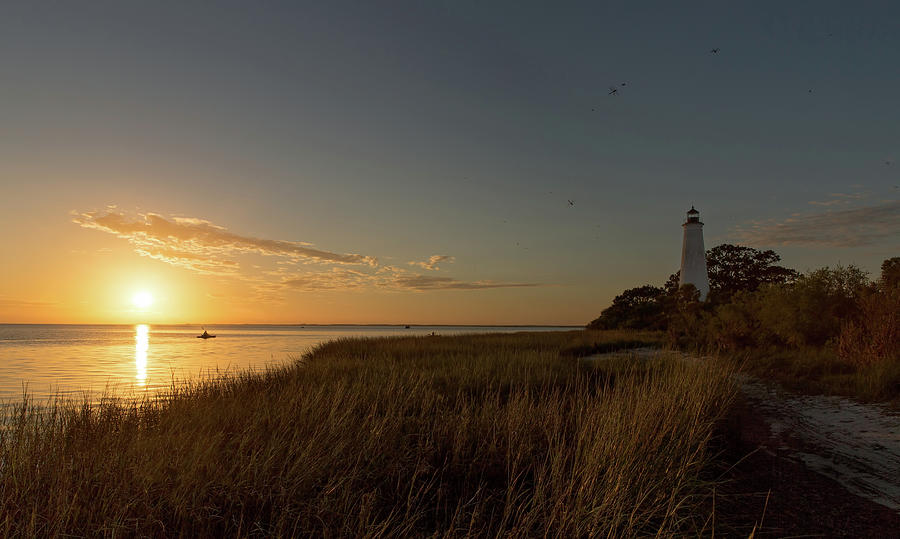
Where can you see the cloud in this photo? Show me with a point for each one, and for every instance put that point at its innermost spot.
(199, 244)
(340, 278)
(336, 279)
(18, 303)
(838, 199)
(207, 248)
(837, 228)
(428, 282)
(433, 261)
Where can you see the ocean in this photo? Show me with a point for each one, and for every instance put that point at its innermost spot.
(130, 361)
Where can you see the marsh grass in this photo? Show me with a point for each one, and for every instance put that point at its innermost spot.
(439, 436)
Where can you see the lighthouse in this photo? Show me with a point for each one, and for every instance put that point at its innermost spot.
(693, 255)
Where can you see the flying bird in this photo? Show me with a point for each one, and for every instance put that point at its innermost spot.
(715, 51)
(613, 90)
(571, 203)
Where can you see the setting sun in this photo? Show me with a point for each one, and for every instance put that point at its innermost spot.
(491, 268)
(142, 300)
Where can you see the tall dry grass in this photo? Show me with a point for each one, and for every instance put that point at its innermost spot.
(441, 436)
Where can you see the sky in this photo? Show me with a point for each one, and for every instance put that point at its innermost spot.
(429, 162)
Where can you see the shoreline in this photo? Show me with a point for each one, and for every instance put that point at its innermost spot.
(482, 401)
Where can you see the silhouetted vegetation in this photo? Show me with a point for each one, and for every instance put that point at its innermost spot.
(487, 435)
(829, 330)
(635, 308)
(872, 335)
(732, 269)
(735, 268)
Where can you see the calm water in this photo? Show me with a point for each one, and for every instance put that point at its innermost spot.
(72, 360)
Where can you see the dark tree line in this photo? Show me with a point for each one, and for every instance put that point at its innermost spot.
(731, 269)
(755, 303)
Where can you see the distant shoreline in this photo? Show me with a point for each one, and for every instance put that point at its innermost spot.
(304, 325)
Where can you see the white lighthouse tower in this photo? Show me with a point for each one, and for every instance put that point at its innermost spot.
(693, 255)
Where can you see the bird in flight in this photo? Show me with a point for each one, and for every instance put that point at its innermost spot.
(613, 90)
(571, 203)
(715, 51)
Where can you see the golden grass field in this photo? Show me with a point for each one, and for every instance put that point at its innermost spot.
(498, 434)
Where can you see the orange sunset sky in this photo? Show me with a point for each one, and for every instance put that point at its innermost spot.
(438, 164)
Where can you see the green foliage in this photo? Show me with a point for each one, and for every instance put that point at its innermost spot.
(873, 336)
(737, 325)
(890, 273)
(829, 329)
(685, 316)
(734, 268)
(487, 435)
(808, 312)
(635, 308)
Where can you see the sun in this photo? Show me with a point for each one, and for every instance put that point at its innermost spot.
(142, 299)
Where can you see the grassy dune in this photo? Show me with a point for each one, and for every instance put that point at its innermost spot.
(444, 436)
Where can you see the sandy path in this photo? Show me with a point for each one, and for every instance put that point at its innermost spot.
(857, 445)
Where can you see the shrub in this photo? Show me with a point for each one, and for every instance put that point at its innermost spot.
(817, 304)
(808, 312)
(874, 335)
(635, 308)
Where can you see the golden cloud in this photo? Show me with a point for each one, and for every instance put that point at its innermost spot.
(433, 261)
(204, 247)
(201, 245)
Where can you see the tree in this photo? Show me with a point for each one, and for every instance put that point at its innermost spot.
(671, 285)
(810, 311)
(873, 336)
(685, 317)
(635, 308)
(733, 268)
(890, 273)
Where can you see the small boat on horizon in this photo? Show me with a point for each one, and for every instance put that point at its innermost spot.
(205, 335)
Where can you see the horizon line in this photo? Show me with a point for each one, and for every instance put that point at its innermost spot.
(288, 324)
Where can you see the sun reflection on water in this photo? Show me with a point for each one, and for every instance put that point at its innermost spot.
(141, 346)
